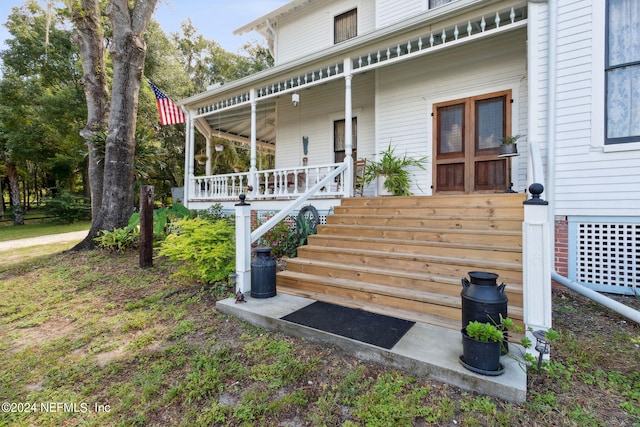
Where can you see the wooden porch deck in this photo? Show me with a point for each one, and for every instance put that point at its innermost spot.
(406, 256)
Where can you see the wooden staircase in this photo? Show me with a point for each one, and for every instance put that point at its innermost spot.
(406, 256)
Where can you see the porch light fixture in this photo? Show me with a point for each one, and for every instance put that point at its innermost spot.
(295, 98)
(543, 346)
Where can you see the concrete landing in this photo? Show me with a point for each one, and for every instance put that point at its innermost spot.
(425, 350)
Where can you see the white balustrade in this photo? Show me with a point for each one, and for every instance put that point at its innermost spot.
(437, 37)
(286, 183)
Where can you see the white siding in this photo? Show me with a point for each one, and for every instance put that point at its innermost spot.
(319, 107)
(589, 180)
(310, 29)
(392, 11)
(406, 94)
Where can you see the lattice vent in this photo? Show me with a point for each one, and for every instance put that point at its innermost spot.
(608, 254)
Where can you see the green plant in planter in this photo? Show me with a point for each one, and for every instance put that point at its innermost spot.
(484, 332)
(510, 139)
(508, 147)
(494, 334)
(394, 169)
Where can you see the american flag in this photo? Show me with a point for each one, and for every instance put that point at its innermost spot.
(170, 114)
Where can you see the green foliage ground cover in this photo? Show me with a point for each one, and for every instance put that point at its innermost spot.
(119, 347)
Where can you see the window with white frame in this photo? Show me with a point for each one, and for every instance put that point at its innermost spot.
(622, 70)
(346, 26)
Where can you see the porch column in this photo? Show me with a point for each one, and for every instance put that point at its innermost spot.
(208, 154)
(536, 263)
(188, 159)
(348, 130)
(253, 170)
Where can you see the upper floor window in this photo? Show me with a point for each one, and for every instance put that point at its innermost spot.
(622, 70)
(436, 3)
(345, 26)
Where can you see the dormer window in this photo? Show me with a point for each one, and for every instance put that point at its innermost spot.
(436, 3)
(345, 26)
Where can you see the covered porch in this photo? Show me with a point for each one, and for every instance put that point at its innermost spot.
(290, 110)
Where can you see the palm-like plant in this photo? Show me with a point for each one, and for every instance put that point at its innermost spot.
(395, 170)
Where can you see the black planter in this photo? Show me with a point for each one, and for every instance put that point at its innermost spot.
(483, 300)
(263, 274)
(508, 150)
(481, 357)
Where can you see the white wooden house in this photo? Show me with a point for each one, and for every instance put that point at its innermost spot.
(447, 79)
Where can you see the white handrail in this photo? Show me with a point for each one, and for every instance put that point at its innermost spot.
(256, 234)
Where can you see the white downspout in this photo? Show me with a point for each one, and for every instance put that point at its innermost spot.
(551, 116)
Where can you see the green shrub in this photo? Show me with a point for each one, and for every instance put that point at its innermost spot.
(299, 234)
(121, 239)
(281, 238)
(207, 249)
(118, 240)
(66, 208)
(162, 219)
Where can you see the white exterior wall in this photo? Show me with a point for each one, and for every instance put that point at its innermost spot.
(311, 29)
(389, 11)
(406, 95)
(319, 107)
(591, 179)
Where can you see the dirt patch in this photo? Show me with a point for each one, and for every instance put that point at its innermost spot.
(41, 334)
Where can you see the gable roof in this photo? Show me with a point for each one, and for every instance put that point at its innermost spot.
(262, 24)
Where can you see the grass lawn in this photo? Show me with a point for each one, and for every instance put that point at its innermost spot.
(90, 339)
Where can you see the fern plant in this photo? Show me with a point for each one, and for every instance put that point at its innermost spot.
(395, 168)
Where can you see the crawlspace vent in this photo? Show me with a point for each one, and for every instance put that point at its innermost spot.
(608, 254)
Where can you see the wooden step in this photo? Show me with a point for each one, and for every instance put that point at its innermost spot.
(405, 280)
(442, 265)
(406, 256)
(488, 237)
(428, 303)
(458, 250)
(489, 212)
(469, 200)
(374, 308)
(429, 221)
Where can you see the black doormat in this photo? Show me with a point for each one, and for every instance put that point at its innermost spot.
(376, 329)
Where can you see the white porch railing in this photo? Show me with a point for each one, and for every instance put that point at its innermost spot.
(244, 236)
(219, 187)
(286, 183)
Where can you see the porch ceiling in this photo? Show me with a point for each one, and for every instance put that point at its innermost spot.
(236, 122)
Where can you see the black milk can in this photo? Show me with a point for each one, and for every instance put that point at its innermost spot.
(483, 300)
(263, 274)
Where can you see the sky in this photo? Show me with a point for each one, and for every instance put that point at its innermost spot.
(214, 19)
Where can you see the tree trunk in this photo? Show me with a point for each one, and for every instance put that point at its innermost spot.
(89, 38)
(14, 193)
(1, 200)
(111, 174)
(128, 51)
